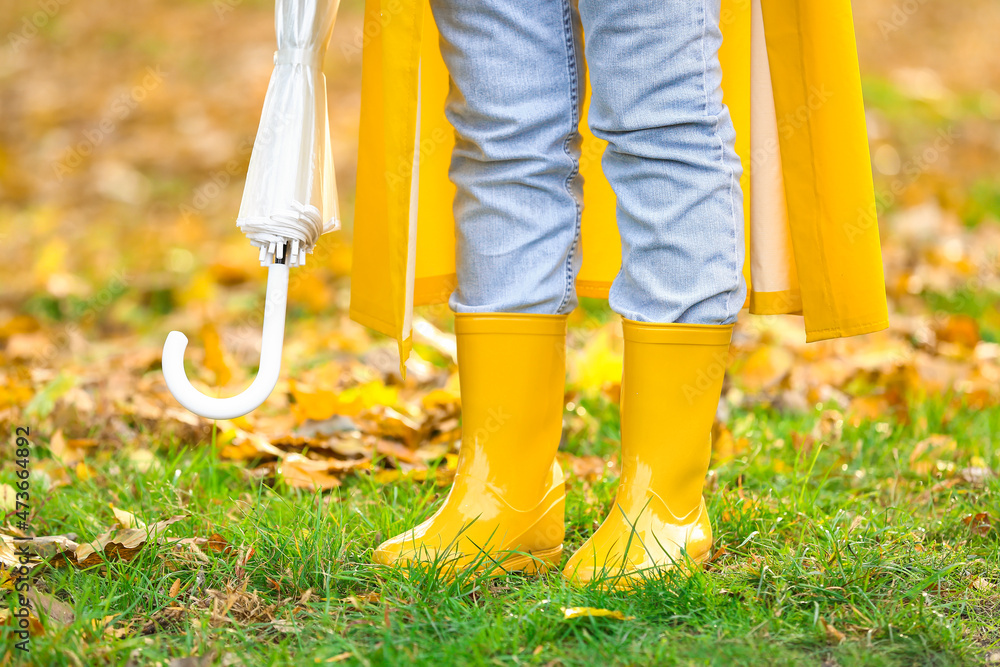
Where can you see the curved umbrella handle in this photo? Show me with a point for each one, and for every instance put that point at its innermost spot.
(270, 359)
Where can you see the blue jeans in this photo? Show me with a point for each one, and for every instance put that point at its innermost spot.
(517, 72)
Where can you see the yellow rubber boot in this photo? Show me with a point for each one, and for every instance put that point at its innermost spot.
(670, 391)
(505, 509)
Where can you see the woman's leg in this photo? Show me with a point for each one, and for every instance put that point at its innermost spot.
(671, 161)
(515, 105)
(515, 101)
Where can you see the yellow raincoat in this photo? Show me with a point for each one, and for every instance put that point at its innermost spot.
(812, 233)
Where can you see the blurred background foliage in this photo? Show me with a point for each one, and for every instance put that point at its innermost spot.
(125, 136)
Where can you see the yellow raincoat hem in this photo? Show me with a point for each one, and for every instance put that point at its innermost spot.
(785, 302)
(846, 331)
(366, 320)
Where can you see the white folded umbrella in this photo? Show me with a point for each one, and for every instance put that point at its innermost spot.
(290, 196)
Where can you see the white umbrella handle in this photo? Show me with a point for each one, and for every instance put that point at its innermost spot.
(270, 359)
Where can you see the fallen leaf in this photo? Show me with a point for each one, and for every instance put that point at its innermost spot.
(392, 424)
(765, 367)
(349, 448)
(18, 324)
(284, 625)
(833, 635)
(321, 404)
(54, 609)
(106, 625)
(959, 329)
(590, 468)
(84, 472)
(142, 460)
(441, 399)
(40, 547)
(396, 451)
(868, 409)
(579, 612)
(371, 597)
(43, 403)
(127, 519)
(35, 627)
(218, 544)
(249, 446)
(979, 524)
(70, 451)
(8, 498)
(975, 475)
(117, 544)
(304, 473)
(10, 557)
(981, 584)
(214, 357)
(206, 660)
(725, 447)
(315, 405)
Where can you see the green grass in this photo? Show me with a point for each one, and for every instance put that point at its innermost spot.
(844, 533)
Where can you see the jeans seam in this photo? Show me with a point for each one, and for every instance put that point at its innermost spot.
(722, 155)
(574, 94)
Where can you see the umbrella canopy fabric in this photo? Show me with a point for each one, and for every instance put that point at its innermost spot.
(290, 196)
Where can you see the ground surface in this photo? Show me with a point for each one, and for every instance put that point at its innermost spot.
(853, 486)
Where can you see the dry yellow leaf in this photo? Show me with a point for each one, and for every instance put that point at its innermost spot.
(84, 472)
(392, 424)
(214, 357)
(589, 468)
(35, 626)
(834, 635)
(868, 408)
(118, 543)
(303, 473)
(441, 399)
(309, 290)
(312, 404)
(981, 584)
(959, 329)
(579, 612)
(8, 498)
(320, 404)
(765, 367)
(725, 447)
(127, 519)
(358, 601)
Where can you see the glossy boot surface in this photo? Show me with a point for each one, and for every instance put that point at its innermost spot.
(670, 391)
(504, 511)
